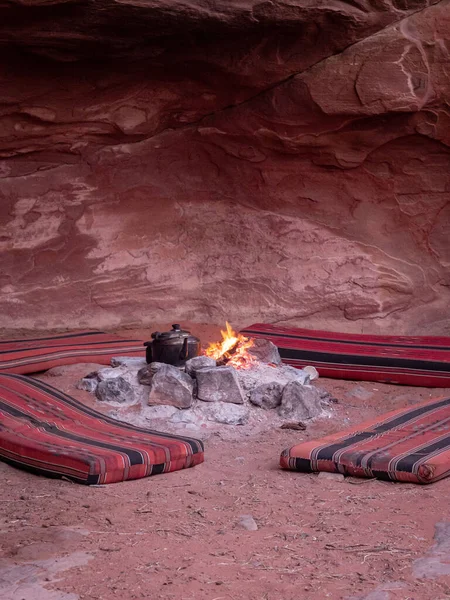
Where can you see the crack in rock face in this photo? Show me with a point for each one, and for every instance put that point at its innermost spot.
(251, 161)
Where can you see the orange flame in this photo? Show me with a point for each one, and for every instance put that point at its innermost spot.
(233, 349)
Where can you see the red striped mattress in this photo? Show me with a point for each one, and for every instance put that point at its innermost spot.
(50, 433)
(411, 445)
(422, 361)
(42, 353)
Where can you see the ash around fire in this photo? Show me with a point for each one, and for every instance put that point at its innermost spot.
(245, 384)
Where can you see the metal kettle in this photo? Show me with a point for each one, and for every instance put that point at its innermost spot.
(173, 347)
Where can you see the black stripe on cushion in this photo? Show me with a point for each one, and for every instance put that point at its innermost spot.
(328, 452)
(55, 337)
(134, 456)
(402, 364)
(63, 348)
(341, 341)
(195, 445)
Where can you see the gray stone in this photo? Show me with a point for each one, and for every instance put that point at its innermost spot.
(172, 387)
(297, 374)
(115, 390)
(88, 384)
(267, 395)
(198, 362)
(129, 374)
(156, 366)
(248, 522)
(130, 362)
(145, 375)
(300, 402)
(265, 351)
(265, 373)
(219, 384)
(228, 414)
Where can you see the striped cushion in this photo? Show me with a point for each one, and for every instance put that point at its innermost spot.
(423, 361)
(39, 354)
(50, 433)
(410, 445)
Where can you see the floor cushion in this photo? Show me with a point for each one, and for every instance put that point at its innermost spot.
(42, 353)
(423, 361)
(411, 444)
(50, 433)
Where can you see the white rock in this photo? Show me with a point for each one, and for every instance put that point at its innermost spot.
(109, 373)
(248, 522)
(312, 372)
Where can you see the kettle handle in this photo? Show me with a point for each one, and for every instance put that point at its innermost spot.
(184, 350)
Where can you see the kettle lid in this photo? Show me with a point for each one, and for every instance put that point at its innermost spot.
(176, 333)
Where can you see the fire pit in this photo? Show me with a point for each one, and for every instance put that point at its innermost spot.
(236, 381)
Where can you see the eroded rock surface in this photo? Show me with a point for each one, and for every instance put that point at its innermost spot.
(267, 395)
(265, 351)
(219, 384)
(256, 161)
(300, 402)
(115, 390)
(170, 386)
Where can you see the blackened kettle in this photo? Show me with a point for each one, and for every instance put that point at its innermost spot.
(173, 347)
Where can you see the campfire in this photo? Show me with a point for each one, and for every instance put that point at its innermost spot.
(236, 381)
(232, 350)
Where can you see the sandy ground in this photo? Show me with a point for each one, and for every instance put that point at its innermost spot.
(178, 536)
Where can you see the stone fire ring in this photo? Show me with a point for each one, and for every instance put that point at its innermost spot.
(203, 395)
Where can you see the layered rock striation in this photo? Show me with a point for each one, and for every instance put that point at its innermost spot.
(256, 161)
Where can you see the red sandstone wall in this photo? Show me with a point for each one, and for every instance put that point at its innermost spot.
(271, 161)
